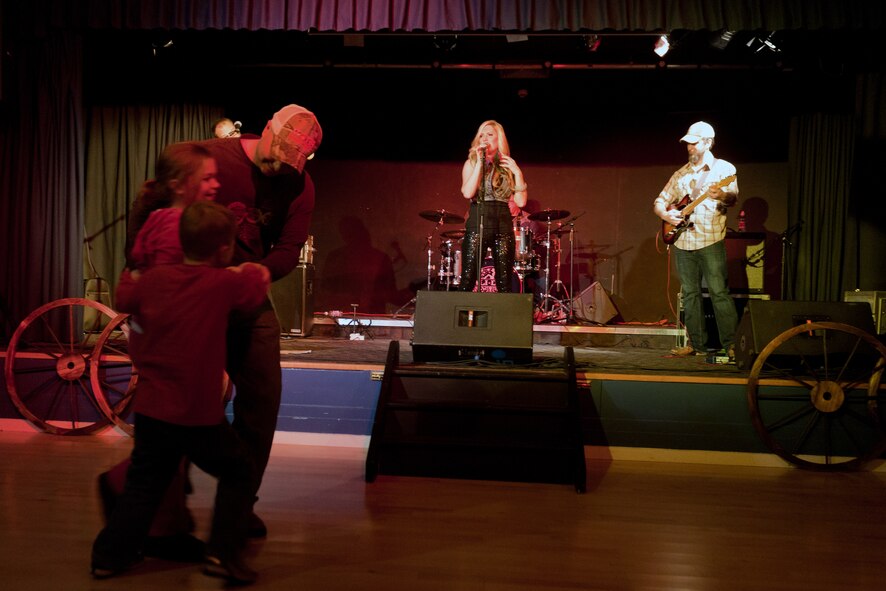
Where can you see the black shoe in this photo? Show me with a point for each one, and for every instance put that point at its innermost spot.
(255, 528)
(234, 571)
(178, 548)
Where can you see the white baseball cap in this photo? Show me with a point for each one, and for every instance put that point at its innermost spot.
(697, 131)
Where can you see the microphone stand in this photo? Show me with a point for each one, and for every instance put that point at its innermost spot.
(481, 196)
(570, 317)
(785, 245)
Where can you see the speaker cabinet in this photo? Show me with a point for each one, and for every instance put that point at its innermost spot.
(594, 305)
(451, 325)
(876, 300)
(293, 299)
(490, 422)
(764, 320)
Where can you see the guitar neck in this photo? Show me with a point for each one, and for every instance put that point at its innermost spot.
(719, 185)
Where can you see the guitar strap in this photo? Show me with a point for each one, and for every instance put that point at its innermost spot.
(701, 181)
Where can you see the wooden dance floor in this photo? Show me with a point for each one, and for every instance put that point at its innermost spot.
(640, 526)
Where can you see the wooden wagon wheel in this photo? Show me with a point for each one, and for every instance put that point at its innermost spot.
(112, 375)
(815, 397)
(48, 366)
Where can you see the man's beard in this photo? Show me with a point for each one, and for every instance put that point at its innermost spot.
(694, 159)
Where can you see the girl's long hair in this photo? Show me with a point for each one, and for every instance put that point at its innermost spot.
(177, 162)
(498, 173)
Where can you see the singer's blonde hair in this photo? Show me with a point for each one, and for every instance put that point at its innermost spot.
(503, 146)
(498, 173)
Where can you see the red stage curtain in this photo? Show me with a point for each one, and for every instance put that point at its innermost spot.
(468, 15)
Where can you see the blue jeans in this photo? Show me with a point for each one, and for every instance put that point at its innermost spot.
(708, 262)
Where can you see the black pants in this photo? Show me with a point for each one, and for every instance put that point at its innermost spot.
(254, 368)
(498, 234)
(158, 451)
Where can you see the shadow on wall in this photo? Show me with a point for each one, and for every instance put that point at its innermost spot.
(358, 273)
(646, 287)
(754, 265)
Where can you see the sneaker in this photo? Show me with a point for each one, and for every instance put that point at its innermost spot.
(686, 351)
(234, 571)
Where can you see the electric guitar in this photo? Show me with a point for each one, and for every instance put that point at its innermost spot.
(670, 232)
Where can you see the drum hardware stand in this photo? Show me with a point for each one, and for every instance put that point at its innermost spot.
(359, 331)
(570, 314)
(439, 217)
(547, 216)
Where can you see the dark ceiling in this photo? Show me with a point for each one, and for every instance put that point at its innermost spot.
(376, 93)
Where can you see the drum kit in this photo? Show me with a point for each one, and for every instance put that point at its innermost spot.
(533, 255)
(449, 270)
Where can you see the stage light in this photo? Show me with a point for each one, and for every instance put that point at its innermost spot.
(722, 39)
(758, 45)
(445, 43)
(662, 46)
(161, 43)
(592, 42)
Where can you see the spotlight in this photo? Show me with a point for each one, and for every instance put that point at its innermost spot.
(758, 45)
(592, 42)
(722, 39)
(160, 43)
(662, 46)
(445, 43)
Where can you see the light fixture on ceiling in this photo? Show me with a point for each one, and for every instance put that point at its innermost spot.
(445, 43)
(160, 43)
(721, 39)
(662, 46)
(758, 45)
(592, 42)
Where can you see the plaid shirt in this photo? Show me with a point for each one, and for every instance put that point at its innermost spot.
(707, 219)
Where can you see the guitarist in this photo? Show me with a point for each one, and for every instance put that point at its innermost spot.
(704, 186)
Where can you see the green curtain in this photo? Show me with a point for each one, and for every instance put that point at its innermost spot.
(124, 142)
(823, 254)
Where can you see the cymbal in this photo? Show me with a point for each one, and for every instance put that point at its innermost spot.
(441, 216)
(456, 234)
(548, 214)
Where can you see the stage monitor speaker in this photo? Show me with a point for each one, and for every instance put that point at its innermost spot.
(876, 300)
(763, 320)
(452, 325)
(293, 299)
(594, 305)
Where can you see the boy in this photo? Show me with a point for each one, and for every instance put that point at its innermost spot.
(177, 342)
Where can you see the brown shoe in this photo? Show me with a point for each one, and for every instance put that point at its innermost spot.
(686, 351)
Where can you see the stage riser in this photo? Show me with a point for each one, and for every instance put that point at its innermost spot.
(549, 335)
(627, 413)
(614, 412)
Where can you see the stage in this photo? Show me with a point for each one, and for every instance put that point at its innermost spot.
(636, 400)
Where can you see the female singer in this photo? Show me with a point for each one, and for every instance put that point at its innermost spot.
(495, 185)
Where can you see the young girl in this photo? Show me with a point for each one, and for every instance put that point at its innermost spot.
(184, 173)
